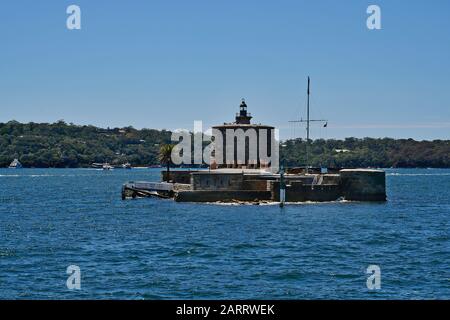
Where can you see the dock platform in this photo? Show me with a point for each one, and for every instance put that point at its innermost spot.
(147, 189)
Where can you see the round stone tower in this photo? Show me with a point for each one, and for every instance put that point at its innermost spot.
(256, 136)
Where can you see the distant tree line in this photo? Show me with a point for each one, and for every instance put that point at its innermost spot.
(64, 145)
(368, 152)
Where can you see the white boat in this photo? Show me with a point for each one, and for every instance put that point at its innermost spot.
(126, 165)
(107, 166)
(15, 164)
(97, 165)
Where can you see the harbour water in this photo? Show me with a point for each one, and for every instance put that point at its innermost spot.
(159, 249)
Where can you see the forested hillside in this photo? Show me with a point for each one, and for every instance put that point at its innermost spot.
(67, 145)
(369, 152)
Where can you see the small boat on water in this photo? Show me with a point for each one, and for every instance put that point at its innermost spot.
(107, 166)
(126, 166)
(15, 164)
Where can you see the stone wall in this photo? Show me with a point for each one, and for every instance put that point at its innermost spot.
(217, 181)
(299, 192)
(177, 176)
(351, 184)
(223, 196)
(256, 184)
(363, 184)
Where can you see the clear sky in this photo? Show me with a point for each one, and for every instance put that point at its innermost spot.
(164, 64)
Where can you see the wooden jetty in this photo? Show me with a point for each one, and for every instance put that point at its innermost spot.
(147, 189)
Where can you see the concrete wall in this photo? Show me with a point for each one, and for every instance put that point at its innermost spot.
(256, 184)
(331, 179)
(217, 181)
(363, 184)
(181, 187)
(299, 192)
(177, 176)
(314, 179)
(223, 196)
(352, 184)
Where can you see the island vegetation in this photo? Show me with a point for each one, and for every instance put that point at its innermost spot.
(165, 157)
(63, 145)
(368, 152)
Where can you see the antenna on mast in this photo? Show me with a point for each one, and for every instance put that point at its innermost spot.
(307, 113)
(308, 120)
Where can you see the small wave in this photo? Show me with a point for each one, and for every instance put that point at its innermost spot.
(288, 275)
(183, 253)
(245, 203)
(319, 202)
(41, 175)
(244, 246)
(418, 174)
(276, 203)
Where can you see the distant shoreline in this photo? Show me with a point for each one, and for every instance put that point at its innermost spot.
(177, 168)
(62, 145)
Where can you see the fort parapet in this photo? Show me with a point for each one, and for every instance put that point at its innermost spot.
(234, 185)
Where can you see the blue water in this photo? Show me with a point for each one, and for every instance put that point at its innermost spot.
(159, 249)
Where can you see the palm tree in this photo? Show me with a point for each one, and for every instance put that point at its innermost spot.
(165, 156)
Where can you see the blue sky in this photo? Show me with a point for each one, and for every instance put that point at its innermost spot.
(164, 64)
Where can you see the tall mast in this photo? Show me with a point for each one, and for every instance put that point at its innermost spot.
(307, 129)
(307, 115)
(308, 121)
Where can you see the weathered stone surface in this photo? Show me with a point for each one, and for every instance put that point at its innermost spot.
(299, 192)
(177, 176)
(256, 184)
(231, 186)
(222, 196)
(217, 181)
(363, 184)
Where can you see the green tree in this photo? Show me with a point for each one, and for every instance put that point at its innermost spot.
(165, 157)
